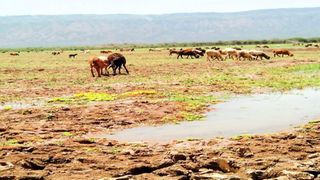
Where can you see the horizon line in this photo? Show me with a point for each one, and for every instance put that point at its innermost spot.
(162, 14)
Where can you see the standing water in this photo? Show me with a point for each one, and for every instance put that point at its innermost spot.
(254, 114)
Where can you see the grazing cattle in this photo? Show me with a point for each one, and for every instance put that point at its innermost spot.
(187, 52)
(282, 52)
(85, 51)
(98, 64)
(158, 50)
(214, 54)
(297, 44)
(200, 51)
(308, 45)
(244, 55)
(55, 53)
(171, 51)
(14, 54)
(72, 55)
(260, 54)
(215, 48)
(237, 48)
(231, 53)
(126, 49)
(116, 61)
(105, 52)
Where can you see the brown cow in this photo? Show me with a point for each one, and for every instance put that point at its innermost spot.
(14, 54)
(214, 54)
(278, 52)
(230, 52)
(98, 64)
(245, 55)
(187, 52)
(171, 51)
(105, 52)
(55, 53)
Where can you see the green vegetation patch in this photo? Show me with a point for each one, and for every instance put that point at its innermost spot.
(67, 134)
(60, 99)
(315, 122)
(193, 102)
(84, 97)
(188, 116)
(11, 142)
(242, 136)
(139, 93)
(91, 96)
(7, 108)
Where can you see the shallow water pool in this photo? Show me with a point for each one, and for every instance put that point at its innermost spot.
(253, 114)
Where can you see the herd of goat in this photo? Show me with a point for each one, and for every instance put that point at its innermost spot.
(101, 64)
(231, 53)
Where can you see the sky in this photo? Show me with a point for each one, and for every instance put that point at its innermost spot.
(55, 7)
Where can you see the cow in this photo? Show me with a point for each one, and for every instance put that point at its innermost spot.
(260, 54)
(188, 52)
(237, 48)
(158, 50)
(98, 64)
(215, 48)
(105, 52)
(72, 55)
(55, 53)
(230, 52)
(308, 45)
(171, 51)
(278, 52)
(214, 54)
(127, 49)
(244, 55)
(116, 61)
(14, 54)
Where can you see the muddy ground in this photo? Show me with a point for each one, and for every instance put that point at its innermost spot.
(49, 142)
(293, 155)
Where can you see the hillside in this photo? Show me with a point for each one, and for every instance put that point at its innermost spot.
(63, 30)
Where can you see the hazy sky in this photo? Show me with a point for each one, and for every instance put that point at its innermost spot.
(36, 7)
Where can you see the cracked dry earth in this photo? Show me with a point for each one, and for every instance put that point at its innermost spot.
(46, 154)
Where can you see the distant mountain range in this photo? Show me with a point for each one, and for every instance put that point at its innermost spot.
(65, 30)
